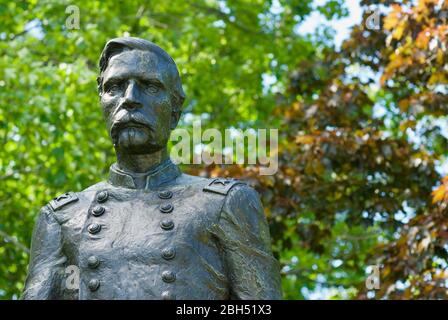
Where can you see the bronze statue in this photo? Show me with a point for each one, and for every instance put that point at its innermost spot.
(151, 232)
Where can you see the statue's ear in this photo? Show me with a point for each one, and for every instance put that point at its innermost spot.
(176, 103)
(99, 81)
(175, 116)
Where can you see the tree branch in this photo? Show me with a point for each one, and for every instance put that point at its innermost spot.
(14, 241)
(225, 17)
(23, 32)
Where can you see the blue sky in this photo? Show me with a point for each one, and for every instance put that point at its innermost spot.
(341, 26)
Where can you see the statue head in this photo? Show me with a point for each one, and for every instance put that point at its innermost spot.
(141, 94)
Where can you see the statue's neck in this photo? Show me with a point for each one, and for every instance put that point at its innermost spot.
(136, 164)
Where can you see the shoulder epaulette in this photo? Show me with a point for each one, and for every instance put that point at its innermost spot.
(221, 185)
(63, 200)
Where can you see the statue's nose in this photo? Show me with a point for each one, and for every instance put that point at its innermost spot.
(132, 96)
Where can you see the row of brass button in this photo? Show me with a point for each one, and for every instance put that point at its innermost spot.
(167, 253)
(93, 262)
(97, 211)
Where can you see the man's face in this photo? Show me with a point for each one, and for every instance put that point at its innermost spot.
(136, 102)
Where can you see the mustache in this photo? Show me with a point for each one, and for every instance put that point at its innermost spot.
(125, 119)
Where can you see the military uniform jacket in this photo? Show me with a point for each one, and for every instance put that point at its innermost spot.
(181, 237)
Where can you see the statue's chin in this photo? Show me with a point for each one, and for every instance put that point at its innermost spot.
(135, 140)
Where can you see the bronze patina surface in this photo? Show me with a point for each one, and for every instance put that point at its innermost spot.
(150, 231)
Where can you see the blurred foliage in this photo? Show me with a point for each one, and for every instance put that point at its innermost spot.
(360, 127)
(414, 78)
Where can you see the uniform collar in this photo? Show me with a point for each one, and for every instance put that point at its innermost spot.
(163, 173)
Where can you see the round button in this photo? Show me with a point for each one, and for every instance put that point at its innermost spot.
(167, 224)
(168, 276)
(165, 194)
(102, 196)
(93, 262)
(98, 210)
(166, 295)
(168, 253)
(94, 228)
(94, 284)
(166, 208)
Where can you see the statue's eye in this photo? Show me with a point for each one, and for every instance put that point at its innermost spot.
(114, 88)
(151, 87)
